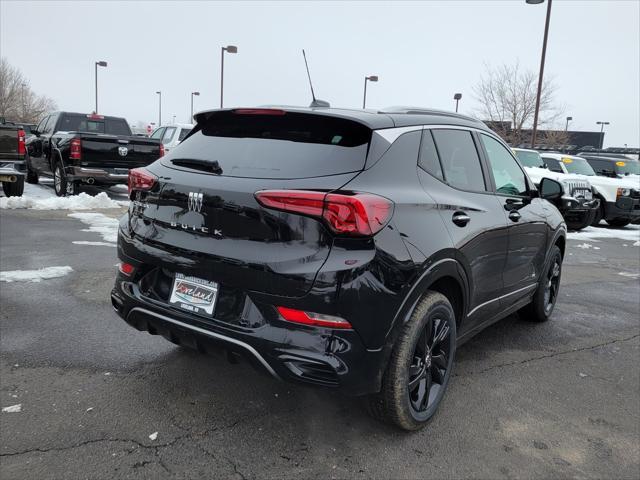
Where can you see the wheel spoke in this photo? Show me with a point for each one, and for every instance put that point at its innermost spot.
(440, 360)
(443, 332)
(424, 402)
(437, 374)
(416, 381)
(414, 369)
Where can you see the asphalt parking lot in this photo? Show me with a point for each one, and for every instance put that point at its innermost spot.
(101, 400)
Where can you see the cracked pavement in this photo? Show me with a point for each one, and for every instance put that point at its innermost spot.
(553, 400)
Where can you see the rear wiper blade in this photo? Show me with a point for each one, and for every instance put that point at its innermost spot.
(199, 164)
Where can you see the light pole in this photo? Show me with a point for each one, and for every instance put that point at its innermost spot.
(602, 124)
(544, 54)
(566, 127)
(371, 78)
(159, 108)
(24, 105)
(197, 94)
(101, 63)
(457, 97)
(173, 122)
(230, 49)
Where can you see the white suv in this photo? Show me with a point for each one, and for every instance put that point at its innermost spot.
(172, 135)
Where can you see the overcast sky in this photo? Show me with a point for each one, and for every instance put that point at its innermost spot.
(423, 53)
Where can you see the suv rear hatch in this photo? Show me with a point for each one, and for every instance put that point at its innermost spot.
(203, 211)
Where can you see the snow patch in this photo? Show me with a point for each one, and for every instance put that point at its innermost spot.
(13, 408)
(586, 246)
(82, 201)
(630, 233)
(34, 275)
(97, 244)
(98, 223)
(153, 436)
(629, 274)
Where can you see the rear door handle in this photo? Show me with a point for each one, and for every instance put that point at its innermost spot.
(514, 216)
(512, 203)
(460, 219)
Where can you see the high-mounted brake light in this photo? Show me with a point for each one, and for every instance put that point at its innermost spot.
(94, 116)
(259, 111)
(161, 149)
(141, 179)
(360, 214)
(21, 147)
(126, 268)
(75, 151)
(314, 319)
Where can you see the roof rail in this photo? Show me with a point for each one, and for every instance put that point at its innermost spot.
(425, 111)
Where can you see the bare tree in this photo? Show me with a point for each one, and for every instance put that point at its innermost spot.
(555, 138)
(17, 101)
(507, 98)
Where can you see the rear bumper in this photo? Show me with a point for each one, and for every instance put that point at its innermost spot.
(317, 356)
(623, 208)
(11, 172)
(103, 176)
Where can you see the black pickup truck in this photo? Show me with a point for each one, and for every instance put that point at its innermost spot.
(77, 148)
(12, 152)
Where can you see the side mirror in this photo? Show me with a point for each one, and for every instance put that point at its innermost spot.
(35, 132)
(550, 189)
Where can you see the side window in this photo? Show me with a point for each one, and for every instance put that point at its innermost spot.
(48, 127)
(459, 158)
(507, 174)
(42, 124)
(553, 164)
(183, 133)
(158, 133)
(428, 158)
(168, 135)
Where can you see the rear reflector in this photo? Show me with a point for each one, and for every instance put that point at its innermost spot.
(21, 147)
(141, 179)
(75, 151)
(258, 111)
(360, 214)
(314, 319)
(126, 268)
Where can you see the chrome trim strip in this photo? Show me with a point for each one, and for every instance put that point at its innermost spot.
(246, 346)
(500, 298)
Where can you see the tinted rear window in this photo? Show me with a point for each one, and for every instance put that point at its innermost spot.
(85, 124)
(293, 145)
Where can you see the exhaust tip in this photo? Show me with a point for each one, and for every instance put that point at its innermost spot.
(91, 180)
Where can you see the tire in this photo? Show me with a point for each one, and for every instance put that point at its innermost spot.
(32, 175)
(13, 189)
(599, 214)
(619, 222)
(413, 370)
(61, 186)
(546, 295)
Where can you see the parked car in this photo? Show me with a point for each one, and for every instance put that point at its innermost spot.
(77, 148)
(578, 204)
(12, 150)
(339, 248)
(172, 135)
(619, 197)
(617, 166)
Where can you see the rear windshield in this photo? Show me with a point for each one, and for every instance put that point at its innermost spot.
(287, 145)
(85, 124)
(529, 159)
(183, 133)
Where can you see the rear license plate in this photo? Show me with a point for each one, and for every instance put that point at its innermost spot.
(194, 294)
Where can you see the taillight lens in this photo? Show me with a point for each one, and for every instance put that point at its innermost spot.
(75, 152)
(21, 147)
(259, 111)
(162, 150)
(360, 214)
(141, 179)
(314, 319)
(126, 268)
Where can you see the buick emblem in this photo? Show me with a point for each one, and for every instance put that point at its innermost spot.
(123, 151)
(195, 202)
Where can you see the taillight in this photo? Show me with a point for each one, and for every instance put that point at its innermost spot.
(75, 152)
(126, 268)
(314, 319)
(360, 214)
(21, 147)
(161, 149)
(141, 179)
(259, 111)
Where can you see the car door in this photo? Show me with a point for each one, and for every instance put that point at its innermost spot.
(457, 181)
(526, 217)
(34, 146)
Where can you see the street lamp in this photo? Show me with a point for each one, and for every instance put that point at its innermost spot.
(173, 122)
(457, 97)
(544, 53)
(602, 124)
(197, 94)
(101, 63)
(159, 108)
(372, 78)
(566, 127)
(230, 49)
(24, 105)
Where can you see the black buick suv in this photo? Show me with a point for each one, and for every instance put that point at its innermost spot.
(340, 248)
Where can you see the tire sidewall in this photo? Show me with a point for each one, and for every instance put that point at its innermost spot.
(556, 254)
